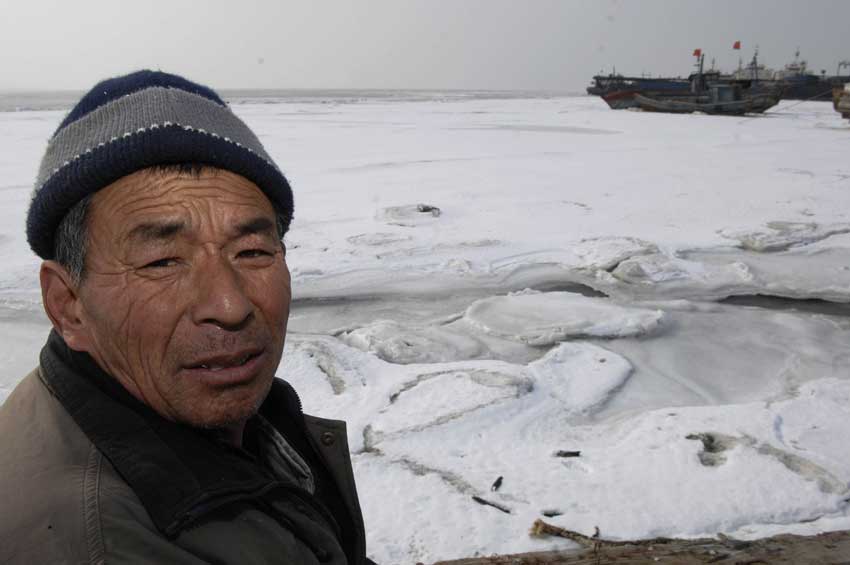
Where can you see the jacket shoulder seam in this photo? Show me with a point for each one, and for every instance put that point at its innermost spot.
(91, 506)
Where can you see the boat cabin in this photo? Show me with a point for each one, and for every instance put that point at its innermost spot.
(725, 92)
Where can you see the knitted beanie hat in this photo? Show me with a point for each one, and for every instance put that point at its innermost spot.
(132, 122)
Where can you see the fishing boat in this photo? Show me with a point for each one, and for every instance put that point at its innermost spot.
(795, 79)
(710, 96)
(723, 99)
(794, 82)
(801, 84)
(618, 91)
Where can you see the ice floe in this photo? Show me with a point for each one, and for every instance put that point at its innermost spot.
(544, 318)
(580, 376)
(403, 343)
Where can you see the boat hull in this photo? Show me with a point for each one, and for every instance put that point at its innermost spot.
(619, 91)
(620, 100)
(815, 88)
(749, 105)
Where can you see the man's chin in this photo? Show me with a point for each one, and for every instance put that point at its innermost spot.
(227, 409)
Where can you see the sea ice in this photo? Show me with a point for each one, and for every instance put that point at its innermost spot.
(435, 398)
(673, 277)
(779, 236)
(580, 376)
(398, 343)
(641, 475)
(546, 318)
(377, 239)
(402, 324)
(410, 215)
(591, 254)
(818, 271)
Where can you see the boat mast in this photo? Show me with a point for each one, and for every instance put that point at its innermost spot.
(754, 65)
(697, 84)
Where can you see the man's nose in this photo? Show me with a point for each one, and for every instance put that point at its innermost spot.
(219, 295)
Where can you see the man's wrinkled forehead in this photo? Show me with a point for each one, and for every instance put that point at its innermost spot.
(147, 232)
(154, 205)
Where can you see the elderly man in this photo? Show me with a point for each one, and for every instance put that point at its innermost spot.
(154, 429)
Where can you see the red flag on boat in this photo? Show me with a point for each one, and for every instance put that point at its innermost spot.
(697, 52)
(737, 45)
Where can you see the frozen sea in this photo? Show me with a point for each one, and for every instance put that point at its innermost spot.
(484, 280)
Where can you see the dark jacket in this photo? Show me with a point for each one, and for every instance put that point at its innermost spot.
(90, 475)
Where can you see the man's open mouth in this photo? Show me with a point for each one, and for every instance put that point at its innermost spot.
(222, 362)
(217, 367)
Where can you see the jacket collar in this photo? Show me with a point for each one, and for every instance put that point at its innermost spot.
(173, 469)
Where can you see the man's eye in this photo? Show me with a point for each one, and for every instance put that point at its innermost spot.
(161, 263)
(251, 253)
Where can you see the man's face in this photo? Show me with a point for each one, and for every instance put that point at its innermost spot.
(186, 294)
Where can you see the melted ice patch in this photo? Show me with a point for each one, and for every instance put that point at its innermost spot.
(548, 318)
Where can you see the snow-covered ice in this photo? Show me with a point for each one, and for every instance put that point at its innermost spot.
(481, 283)
(542, 319)
(779, 236)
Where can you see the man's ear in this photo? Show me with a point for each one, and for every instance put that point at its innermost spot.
(61, 299)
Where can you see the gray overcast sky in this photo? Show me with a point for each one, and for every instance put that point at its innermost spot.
(471, 44)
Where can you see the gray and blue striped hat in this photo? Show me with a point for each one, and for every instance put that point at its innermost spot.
(132, 122)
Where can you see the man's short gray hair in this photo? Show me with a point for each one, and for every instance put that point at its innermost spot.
(70, 242)
(71, 238)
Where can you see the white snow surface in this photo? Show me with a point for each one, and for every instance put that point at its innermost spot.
(568, 296)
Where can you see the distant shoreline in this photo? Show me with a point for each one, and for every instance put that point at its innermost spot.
(35, 100)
